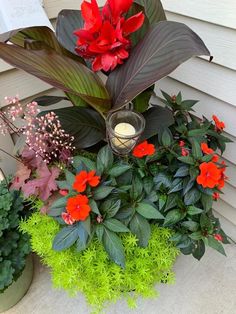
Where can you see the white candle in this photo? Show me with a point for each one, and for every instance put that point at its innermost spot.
(125, 130)
(1, 176)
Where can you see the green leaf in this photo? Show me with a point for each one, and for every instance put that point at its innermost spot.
(102, 192)
(114, 247)
(216, 245)
(65, 238)
(86, 125)
(99, 231)
(153, 10)
(192, 197)
(188, 104)
(118, 170)
(70, 177)
(196, 149)
(148, 184)
(197, 132)
(171, 201)
(137, 187)
(78, 160)
(165, 46)
(162, 179)
(207, 202)
(63, 185)
(49, 100)
(206, 223)
(141, 102)
(177, 185)
(166, 137)
(148, 211)
(86, 225)
(115, 225)
(196, 235)
(110, 207)
(59, 71)
(199, 250)
(94, 207)
(192, 210)
(187, 160)
(182, 172)
(173, 217)
(105, 159)
(190, 225)
(156, 118)
(141, 228)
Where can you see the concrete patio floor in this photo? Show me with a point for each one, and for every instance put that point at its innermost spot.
(206, 287)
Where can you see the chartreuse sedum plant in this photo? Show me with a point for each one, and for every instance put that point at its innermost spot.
(14, 245)
(91, 271)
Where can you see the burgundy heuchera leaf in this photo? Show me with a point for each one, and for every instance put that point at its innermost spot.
(22, 174)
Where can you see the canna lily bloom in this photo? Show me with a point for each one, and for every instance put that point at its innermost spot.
(219, 125)
(77, 207)
(67, 218)
(83, 178)
(209, 175)
(105, 36)
(206, 150)
(144, 149)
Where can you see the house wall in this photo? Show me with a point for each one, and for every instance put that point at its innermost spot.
(213, 84)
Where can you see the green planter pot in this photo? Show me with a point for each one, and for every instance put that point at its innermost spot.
(15, 292)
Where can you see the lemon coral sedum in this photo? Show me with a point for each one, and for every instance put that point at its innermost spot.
(92, 273)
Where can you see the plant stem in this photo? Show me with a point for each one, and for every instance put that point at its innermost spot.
(5, 152)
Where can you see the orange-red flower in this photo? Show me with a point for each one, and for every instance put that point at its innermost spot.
(223, 177)
(83, 178)
(206, 150)
(215, 196)
(215, 158)
(105, 37)
(144, 149)
(67, 218)
(64, 192)
(219, 125)
(78, 207)
(209, 175)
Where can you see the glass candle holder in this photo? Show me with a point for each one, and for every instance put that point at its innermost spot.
(124, 128)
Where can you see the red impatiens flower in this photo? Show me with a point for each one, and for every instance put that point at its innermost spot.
(184, 152)
(143, 149)
(105, 36)
(83, 178)
(67, 218)
(206, 150)
(181, 143)
(63, 192)
(78, 207)
(215, 196)
(219, 125)
(223, 177)
(209, 176)
(215, 158)
(218, 237)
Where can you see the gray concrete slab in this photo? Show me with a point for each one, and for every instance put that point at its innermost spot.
(205, 287)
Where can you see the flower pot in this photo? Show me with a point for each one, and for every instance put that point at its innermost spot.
(15, 292)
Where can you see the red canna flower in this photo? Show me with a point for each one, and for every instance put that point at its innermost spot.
(215, 196)
(206, 150)
(184, 152)
(218, 237)
(209, 175)
(78, 208)
(83, 178)
(105, 36)
(143, 149)
(219, 125)
(67, 218)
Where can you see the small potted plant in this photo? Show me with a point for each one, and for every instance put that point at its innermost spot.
(16, 267)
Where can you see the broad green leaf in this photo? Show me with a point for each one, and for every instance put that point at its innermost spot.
(94, 207)
(187, 160)
(115, 225)
(118, 170)
(207, 202)
(177, 185)
(148, 211)
(49, 100)
(59, 203)
(164, 47)
(110, 207)
(78, 160)
(141, 102)
(105, 159)
(137, 187)
(156, 118)
(171, 201)
(65, 238)
(102, 192)
(190, 225)
(173, 217)
(114, 247)
(86, 225)
(166, 137)
(182, 172)
(148, 184)
(153, 9)
(70, 177)
(196, 235)
(162, 179)
(63, 185)
(59, 71)
(141, 228)
(216, 245)
(192, 210)
(192, 197)
(197, 132)
(206, 223)
(199, 250)
(196, 149)
(99, 229)
(86, 125)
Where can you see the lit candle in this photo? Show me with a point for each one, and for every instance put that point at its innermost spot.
(1, 176)
(124, 130)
